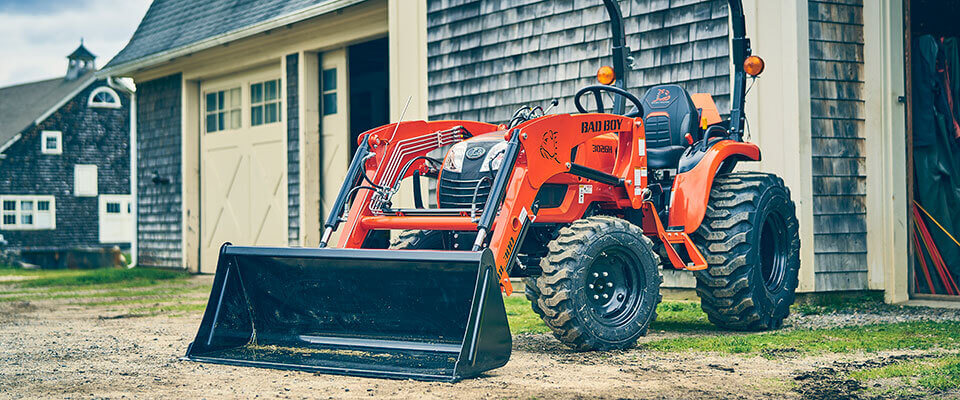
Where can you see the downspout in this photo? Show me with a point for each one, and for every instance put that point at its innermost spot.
(132, 91)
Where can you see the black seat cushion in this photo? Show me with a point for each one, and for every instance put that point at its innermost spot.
(669, 115)
(664, 157)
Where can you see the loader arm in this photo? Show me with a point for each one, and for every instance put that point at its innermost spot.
(547, 145)
(388, 155)
(543, 149)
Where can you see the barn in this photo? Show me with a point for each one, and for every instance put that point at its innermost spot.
(65, 166)
(246, 112)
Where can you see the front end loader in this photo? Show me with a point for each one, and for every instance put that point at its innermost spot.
(586, 207)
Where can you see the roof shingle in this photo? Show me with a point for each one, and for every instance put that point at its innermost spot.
(172, 24)
(21, 104)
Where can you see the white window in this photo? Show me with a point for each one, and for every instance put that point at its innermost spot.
(85, 180)
(116, 218)
(51, 142)
(265, 102)
(28, 212)
(222, 110)
(103, 97)
(328, 84)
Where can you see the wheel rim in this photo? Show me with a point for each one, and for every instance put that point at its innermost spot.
(613, 287)
(773, 252)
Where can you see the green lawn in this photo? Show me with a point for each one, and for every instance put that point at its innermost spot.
(826, 303)
(137, 291)
(672, 316)
(127, 277)
(521, 317)
(939, 374)
(870, 338)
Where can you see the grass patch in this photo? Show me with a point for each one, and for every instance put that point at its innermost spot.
(98, 292)
(521, 317)
(128, 301)
(681, 316)
(829, 303)
(170, 309)
(933, 374)
(122, 277)
(95, 283)
(870, 338)
(674, 316)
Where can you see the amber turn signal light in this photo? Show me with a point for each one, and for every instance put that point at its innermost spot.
(606, 76)
(753, 65)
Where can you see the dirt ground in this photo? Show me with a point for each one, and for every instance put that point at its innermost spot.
(52, 349)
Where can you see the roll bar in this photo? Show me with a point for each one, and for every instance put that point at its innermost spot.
(741, 50)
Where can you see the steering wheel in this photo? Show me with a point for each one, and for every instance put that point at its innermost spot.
(598, 89)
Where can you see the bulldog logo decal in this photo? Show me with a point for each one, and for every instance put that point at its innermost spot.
(548, 146)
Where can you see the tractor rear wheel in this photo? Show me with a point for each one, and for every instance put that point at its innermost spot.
(600, 284)
(750, 239)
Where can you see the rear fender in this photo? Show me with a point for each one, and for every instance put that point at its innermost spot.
(691, 189)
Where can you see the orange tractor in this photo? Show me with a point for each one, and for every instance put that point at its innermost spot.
(586, 207)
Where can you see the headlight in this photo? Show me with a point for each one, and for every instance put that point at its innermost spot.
(494, 159)
(454, 160)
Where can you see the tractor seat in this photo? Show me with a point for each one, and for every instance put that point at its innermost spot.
(669, 116)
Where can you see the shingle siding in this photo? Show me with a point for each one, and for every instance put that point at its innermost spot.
(837, 144)
(488, 57)
(293, 149)
(98, 136)
(159, 178)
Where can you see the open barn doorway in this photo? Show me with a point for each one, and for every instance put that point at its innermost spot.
(369, 102)
(369, 87)
(933, 143)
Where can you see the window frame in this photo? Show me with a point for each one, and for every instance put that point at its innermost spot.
(34, 212)
(92, 103)
(328, 91)
(264, 102)
(222, 109)
(44, 135)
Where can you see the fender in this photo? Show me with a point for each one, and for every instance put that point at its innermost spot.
(691, 189)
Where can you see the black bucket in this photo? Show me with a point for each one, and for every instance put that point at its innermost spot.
(427, 315)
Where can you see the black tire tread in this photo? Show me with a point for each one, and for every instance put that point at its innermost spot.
(565, 252)
(724, 288)
(532, 292)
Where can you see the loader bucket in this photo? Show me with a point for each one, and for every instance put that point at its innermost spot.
(427, 315)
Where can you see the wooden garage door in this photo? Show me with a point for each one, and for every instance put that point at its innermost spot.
(243, 164)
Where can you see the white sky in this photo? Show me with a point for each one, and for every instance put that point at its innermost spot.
(37, 35)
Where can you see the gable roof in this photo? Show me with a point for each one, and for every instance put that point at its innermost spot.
(171, 25)
(21, 105)
(82, 53)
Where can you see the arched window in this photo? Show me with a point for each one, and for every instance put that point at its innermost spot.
(103, 97)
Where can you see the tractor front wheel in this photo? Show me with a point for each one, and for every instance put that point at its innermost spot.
(419, 240)
(750, 239)
(600, 284)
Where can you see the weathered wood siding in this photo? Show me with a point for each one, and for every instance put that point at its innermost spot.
(98, 136)
(838, 134)
(159, 173)
(293, 150)
(488, 57)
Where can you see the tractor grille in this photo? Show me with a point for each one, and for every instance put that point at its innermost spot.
(457, 193)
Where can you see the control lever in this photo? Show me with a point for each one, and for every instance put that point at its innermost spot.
(553, 103)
